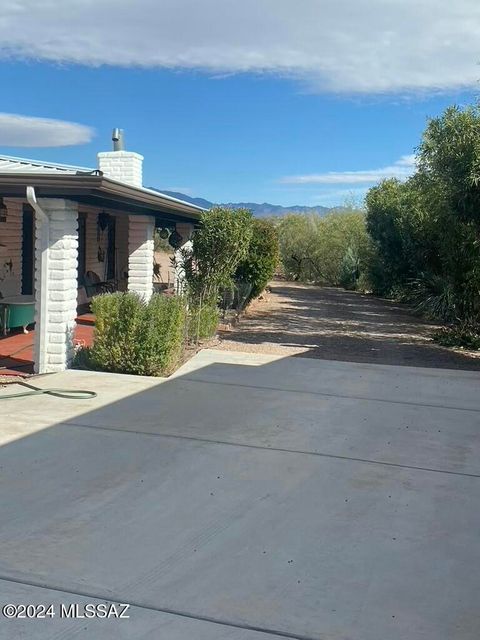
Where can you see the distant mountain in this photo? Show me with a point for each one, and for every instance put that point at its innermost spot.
(200, 202)
(267, 209)
(260, 210)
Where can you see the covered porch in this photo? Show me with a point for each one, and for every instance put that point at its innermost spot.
(66, 238)
(17, 347)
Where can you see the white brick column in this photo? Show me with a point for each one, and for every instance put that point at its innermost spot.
(185, 229)
(140, 255)
(55, 284)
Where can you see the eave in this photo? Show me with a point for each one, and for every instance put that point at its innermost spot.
(97, 190)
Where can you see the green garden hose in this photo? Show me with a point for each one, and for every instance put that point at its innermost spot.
(71, 394)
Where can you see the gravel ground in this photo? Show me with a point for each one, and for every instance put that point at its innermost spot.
(333, 324)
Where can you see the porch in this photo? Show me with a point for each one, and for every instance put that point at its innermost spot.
(17, 348)
(69, 233)
(84, 235)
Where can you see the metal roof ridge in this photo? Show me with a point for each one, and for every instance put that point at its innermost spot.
(53, 165)
(155, 192)
(41, 163)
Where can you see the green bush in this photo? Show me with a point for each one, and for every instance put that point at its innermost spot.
(323, 249)
(425, 231)
(258, 267)
(463, 336)
(203, 320)
(350, 269)
(132, 336)
(218, 245)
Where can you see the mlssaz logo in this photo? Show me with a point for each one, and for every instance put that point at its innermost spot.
(102, 610)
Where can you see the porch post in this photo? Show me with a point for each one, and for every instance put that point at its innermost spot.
(55, 284)
(185, 229)
(140, 255)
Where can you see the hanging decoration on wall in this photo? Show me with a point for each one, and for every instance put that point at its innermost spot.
(103, 220)
(175, 240)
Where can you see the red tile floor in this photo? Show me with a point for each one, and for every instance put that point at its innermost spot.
(16, 349)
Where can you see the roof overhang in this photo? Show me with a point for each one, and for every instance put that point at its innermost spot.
(97, 190)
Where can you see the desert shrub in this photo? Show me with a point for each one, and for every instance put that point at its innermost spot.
(203, 320)
(132, 336)
(425, 231)
(464, 336)
(434, 296)
(209, 265)
(218, 245)
(258, 266)
(331, 250)
(349, 269)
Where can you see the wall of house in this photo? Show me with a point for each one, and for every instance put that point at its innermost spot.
(121, 241)
(96, 240)
(11, 253)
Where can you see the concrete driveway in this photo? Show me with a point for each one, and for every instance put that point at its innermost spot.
(248, 497)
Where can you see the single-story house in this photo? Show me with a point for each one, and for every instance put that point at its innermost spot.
(58, 223)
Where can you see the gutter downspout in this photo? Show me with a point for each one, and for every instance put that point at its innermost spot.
(41, 365)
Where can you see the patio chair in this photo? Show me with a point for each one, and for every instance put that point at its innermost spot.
(94, 286)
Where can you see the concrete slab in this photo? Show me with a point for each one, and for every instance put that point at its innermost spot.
(141, 624)
(431, 387)
(291, 543)
(412, 433)
(415, 435)
(245, 505)
(21, 416)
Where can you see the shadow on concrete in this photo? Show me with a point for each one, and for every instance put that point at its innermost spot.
(290, 498)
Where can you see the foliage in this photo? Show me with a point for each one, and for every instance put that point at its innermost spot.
(218, 246)
(434, 296)
(236, 297)
(402, 232)
(425, 231)
(331, 250)
(449, 156)
(132, 336)
(462, 335)
(203, 320)
(350, 269)
(258, 266)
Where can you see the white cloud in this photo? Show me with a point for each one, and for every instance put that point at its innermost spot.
(362, 46)
(25, 131)
(402, 169)
(333, 198)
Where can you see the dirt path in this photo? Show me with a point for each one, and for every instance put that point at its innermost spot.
(332, 324)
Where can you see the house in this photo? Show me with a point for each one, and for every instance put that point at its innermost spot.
(58, 222)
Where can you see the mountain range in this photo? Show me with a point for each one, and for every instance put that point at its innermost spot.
(259, 210)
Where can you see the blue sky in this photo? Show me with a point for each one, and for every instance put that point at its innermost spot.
(232, 122)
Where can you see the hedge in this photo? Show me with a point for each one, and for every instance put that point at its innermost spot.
(132, 336)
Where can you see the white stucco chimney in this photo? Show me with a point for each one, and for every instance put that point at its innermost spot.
(121, 165)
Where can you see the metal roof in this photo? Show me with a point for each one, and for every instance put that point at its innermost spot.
(98, 190)
(11, 164)
(87, 185)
